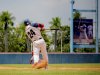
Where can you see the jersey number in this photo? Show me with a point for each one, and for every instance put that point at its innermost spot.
(31, 33)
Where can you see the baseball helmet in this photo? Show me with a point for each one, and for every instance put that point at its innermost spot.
(27, 22)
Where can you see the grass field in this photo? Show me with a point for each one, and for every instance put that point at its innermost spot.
(53, 69)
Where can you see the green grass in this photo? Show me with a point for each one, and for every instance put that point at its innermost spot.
(53, 69)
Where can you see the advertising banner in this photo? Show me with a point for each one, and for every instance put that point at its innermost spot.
(83, 31)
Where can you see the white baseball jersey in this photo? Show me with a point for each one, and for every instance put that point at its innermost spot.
(38, 42)
(33, 33)
(90, 31)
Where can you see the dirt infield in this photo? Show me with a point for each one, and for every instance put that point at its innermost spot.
(14, 68)
(50, 68)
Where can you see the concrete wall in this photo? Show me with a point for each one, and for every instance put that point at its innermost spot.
(53, 58)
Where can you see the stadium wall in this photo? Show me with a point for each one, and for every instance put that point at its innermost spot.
(57, 58)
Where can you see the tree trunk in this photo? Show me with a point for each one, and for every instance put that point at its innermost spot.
(6, 41)
(55, 40)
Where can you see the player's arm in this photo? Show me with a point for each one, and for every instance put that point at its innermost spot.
(38, 25)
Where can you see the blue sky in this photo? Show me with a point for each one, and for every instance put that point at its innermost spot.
(43, 10)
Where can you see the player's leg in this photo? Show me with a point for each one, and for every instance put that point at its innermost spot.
(41, 64)
(36, 60)
(44, 61)
(36, 54)
(86, 37)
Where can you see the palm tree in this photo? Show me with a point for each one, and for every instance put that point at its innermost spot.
(77, 15)
(6, 19)
(55, 25)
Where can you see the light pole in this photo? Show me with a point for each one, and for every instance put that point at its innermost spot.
(71, 25)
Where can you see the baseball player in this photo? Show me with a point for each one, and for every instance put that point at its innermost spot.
(90, 31)
(39, 45)
(83, 34)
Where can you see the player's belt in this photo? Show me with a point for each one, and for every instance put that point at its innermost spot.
(38, 39)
